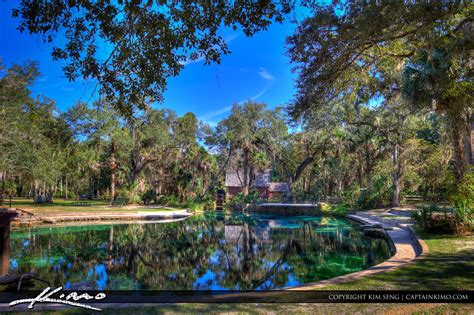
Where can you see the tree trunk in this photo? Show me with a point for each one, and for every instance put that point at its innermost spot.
(91, 188)
(461, 157)
(245, 188)
(396, 175)
(113, 168)
(338, 188)
(368, 171)
(290, 196)
(471, 140)
(65, 184)
(136, 161)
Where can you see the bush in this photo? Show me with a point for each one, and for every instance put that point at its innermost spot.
(463, 214)
(378, 195)
(71, 195)
(193, 204)
(252, 197)
(149, 196)
(238, 201)
(340, 210)
(209, 205)
(435, 220)
(278, 199)
(168, 200)
(423, 216)
(325, 208)
(130, 194)
(350, 197)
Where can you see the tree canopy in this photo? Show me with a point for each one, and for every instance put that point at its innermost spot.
(146, 42)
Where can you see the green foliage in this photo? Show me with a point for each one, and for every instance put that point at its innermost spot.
(149, 197)
(340, 210)
(199, 203)
(168, 200)
(278, 198)
(465, 189)
(463, 201)
(239, 199)
(422, 216)
(336, 210)
(325, 208)
(193, 204)
(463, 214)
(7, 187)
(350, 196)
(71, 195)
(179, 34)
(130, 194)
(378, 195)
(355, 130)
(436, 220)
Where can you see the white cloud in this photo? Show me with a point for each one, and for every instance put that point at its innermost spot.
(260, 94)
(207, 117)
(216, 113)
(189, 61)
(43, 78)
(230, 38)
(266, 75)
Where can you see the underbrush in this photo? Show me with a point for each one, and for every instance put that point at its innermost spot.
(432, 219)
(193, 204)
(340, 210)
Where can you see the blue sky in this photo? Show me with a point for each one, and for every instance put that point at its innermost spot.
(257, 68)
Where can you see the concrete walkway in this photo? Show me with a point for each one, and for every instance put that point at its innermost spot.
(408, 246)
(27, 218)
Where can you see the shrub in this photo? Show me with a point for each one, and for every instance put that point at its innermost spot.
(351, 196)
(277, 199)
(463, 214)
(149, 196)
(71, 195)
(252, 197)
(377, 196)
(340, 210)
(238, 201)
(325, 208)
(193, 204)
(209, 205)
(422, 216)
(435, 220)
(463, 201)
(168, 200)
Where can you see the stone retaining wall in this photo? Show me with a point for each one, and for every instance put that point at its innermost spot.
(288, 209)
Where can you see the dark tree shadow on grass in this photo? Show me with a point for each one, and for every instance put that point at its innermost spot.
(437, 271)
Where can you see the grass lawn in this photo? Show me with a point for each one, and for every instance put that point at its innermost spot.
(61, 206)
(308, 308)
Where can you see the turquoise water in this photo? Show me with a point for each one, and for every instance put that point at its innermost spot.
(206, 252)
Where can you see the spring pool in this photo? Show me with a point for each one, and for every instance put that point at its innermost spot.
(204, 252)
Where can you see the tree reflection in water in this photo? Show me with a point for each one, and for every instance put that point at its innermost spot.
(205, 252)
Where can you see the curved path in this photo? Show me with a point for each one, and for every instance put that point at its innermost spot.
(28, 218)
(409, 247)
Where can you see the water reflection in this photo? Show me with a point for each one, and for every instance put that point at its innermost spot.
(213, 251)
